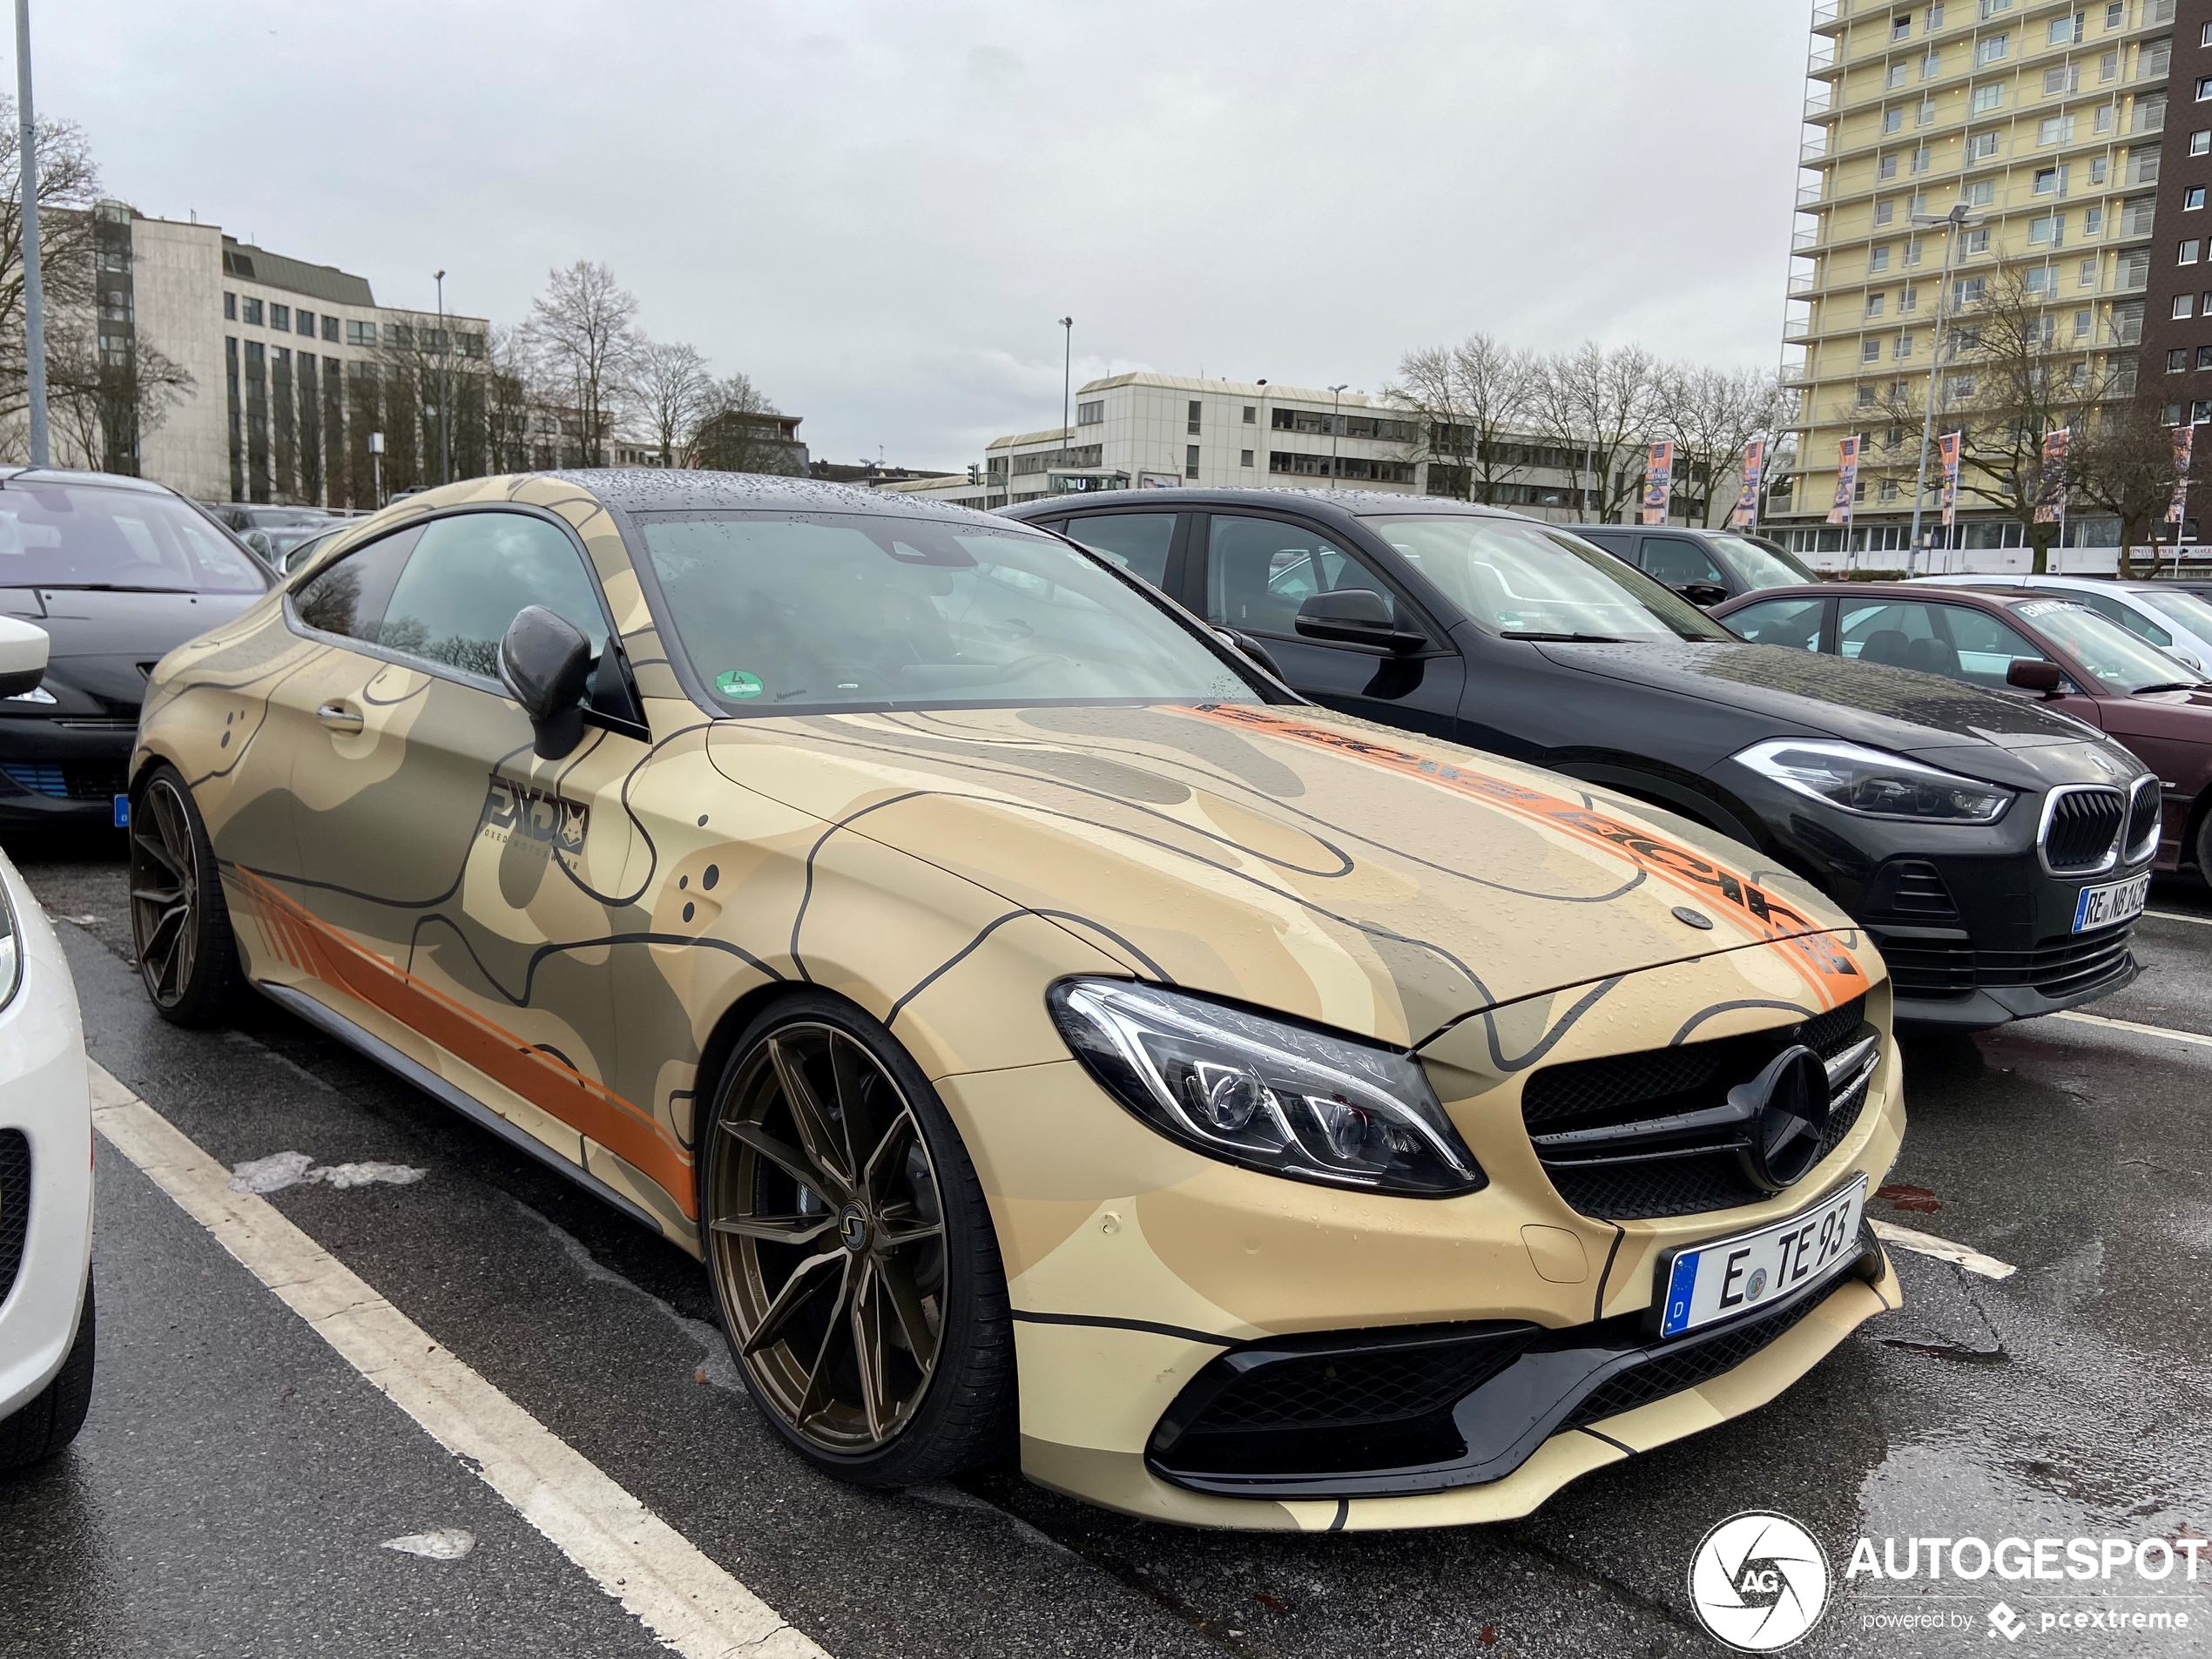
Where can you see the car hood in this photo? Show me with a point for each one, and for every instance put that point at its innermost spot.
(1301, 859)
(1798, 693)
(106, 643)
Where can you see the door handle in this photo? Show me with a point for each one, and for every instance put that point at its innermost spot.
(339, 718)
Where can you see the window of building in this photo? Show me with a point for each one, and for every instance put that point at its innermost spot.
(2177, 360)
(280, 316)
(2066, 31)
(1921, 158)
(1912, 249)
(2081, 325)
(1878, 259)
(1903, 348)
(2200, 142)
(1982, 146)
(1874, 302)
(2189, 252)
(2184, 304)
(1870, 351)
(1885, 168)
(1908, 300)
(1932, 66)
(304, 324)
(1989, 98)
(1926, 115)
(2064, 78)
(1895, 78)
(1191, 461)
(2055, 129)
(2200, 412)
(2193, 197)
(1967, 291)
(230, 308)
(2203, 88)
(2038, 281)
(2050, 181)
(2101, 121)
(1196, 408)
(1901, 28)
(250, 311)
(1893, 121)
(2046, 230)
(1243, 457)
(361, 333)
(1090, 414)
(1251, 415)
(329, 326)
(1865, 397)
(1935, 17)
(2108, 67)
(2205, 37)
(1982, 193)
(1884, 212)
(1990, 7)
(1975, 241)
(1990, 49)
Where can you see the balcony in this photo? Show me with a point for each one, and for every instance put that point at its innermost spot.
(1814, 149)
(1809, 196)
(1820, 98)
(1809, 236)
(1828, 13)
(1821, 58)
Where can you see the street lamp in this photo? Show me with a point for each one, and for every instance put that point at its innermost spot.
(1954, 221)
(1067, 379)
(34, 322)
(445, 405)
(1336, 426)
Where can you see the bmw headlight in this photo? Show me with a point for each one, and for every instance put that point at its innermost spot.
(1265, 1092)
(1868, 781)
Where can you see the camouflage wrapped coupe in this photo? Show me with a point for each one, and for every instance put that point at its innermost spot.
(1049, 1030)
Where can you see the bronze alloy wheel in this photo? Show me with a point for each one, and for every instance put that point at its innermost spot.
(164, 891)
(826, 1231)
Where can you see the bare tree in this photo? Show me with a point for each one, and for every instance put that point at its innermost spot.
(2122, 462)
(740, 431)
(1474, 401)
(582, 330)
(508, 401)
(1599, 407)
(100, 408)
(672, 391)
(1712, 414)
(68, 182)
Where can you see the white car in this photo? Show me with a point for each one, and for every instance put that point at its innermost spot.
(2177, 622)
(45, 1157)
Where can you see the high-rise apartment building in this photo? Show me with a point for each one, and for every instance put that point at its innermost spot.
(2050, 121)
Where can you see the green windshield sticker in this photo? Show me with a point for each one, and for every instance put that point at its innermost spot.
(736, 682)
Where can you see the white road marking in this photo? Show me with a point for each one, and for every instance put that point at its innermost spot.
(682, 1596)
(2171, 1034)
(2176, 915)
(1942, 1249)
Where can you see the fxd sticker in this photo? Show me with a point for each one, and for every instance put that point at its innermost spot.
(735, 682)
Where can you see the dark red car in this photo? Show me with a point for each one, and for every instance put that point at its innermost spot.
(2034, 643)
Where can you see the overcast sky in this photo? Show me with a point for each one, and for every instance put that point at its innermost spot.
(877, 208)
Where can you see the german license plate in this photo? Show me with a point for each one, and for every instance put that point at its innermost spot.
(1708, 1283)
(2114, 901)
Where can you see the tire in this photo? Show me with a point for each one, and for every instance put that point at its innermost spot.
(51, 1419)
(812, 1266)
(180, 928)
(2203, 849)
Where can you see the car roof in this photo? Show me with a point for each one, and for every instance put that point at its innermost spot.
(1915, 590)
(660, 489)
(1353, 503)
(77, 479)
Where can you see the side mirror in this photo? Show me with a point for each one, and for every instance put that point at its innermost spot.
(24, 650)
(1703, 595)
(2035, 674)
(259, 541)
(544, 661)
(1356, 616)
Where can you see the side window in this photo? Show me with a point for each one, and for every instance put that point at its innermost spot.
(1620, 544)
(1877, 631)
(349, 597)
(1676, 560)
(1985, 647)
(2126, 615)
(1794, 622)
(1259, 570)
(1136, 542)
(467, 578)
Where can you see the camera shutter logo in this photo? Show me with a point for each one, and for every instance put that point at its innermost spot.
(1758, 1582)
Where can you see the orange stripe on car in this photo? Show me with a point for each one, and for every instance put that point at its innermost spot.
(1817, 961)
(313, 947)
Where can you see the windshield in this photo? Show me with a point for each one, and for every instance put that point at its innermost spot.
(784, 613)
(2118, 660)
(63, 535)
(1525, 581)
(1761, 566)
(2192, 610)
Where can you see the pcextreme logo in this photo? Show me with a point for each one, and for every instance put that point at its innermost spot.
(1758, 1582)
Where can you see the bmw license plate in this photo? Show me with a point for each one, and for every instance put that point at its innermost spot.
(2114, 901)
(1706, 1284)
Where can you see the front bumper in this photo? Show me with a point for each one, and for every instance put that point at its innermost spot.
(1134, 1265)
(63, 772)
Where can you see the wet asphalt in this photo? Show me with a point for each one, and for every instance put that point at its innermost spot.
(235, 1482)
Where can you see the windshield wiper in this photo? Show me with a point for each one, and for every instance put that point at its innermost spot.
(107, 587)
(2167, 686)
(1572, 639)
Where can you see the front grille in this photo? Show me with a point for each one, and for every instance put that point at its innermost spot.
(1924, 968)
(2082, 828)
(71, 779)
(1623, 1091)
(1667, 1372)
(14, 1205)
(1910, 888)
(1348, 1389)
(2057, 966)
(2143, 819)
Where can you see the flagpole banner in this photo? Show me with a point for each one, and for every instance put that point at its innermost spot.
(1747, 499)
(2184, 447)
(2050, 495)
(1947, 447)
(1846, 479)
(1658, 482)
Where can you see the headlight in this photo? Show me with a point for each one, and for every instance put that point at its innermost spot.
(1263, 1093)
(1875, 785)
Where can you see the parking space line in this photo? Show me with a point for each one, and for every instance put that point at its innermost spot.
(683, 1598)
(1941, 1249)
(2176, 915)
(2167, 1032)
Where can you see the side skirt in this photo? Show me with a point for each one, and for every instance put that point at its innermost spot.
(413, 1071)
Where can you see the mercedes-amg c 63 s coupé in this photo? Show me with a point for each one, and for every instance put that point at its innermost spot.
(1050, 1031)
